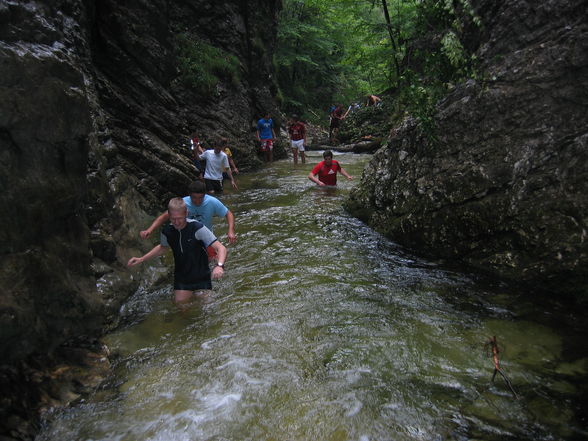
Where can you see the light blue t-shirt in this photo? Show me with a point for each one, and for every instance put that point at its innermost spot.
(265, 126)
(204, 212)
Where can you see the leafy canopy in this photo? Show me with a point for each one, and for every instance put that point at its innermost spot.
(341, 50)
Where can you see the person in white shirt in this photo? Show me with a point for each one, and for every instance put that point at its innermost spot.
(216, 163)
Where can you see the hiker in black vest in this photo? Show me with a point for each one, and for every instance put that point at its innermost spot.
(188, 240)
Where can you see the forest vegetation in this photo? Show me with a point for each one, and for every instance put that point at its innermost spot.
(342, 50)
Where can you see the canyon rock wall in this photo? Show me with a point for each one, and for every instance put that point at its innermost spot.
(504, 185)
(94, 133)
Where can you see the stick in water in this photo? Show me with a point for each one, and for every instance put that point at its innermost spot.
(495, 351)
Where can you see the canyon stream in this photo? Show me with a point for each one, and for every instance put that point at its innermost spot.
(323, 329)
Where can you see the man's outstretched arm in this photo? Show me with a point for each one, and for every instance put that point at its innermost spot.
(344, 173)
(158, 250)
(158, 222)
(231, 230)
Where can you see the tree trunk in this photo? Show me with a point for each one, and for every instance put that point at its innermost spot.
(392, 40)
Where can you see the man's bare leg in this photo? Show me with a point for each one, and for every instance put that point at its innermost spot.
(182, 296)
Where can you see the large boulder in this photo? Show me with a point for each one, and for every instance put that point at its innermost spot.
(503, 183)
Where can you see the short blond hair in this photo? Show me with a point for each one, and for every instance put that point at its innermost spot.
(176, 204)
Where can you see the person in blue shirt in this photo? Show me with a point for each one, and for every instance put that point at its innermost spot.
(188, 239)
(200, 207)
(266, 136)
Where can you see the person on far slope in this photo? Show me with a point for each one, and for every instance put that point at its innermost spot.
(373, 100)
(325, 172)
(336, 118)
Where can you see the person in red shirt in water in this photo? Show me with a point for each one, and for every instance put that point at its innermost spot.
(327, 171)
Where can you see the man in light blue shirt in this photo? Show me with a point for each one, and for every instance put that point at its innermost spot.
(201, 207)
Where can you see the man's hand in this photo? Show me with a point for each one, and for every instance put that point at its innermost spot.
(217, 273)
(234, 184)
(145, 234)
(134, 261)
(232, 237)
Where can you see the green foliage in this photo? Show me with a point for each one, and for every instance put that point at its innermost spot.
(453, 50)
(203, 66)
(308, 57)
(341, 50)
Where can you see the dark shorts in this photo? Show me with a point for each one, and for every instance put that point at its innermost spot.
(335, 123)
(203, 284)
(212, 184)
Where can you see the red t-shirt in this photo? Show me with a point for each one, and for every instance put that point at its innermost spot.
(327, 175)
(297, 131)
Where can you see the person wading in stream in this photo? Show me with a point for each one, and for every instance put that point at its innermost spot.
(325, 172)
(216, 163)
(188, 240)
(297, 131)
(265, 136)
(229, 153)
(196, 150)
(202, 208)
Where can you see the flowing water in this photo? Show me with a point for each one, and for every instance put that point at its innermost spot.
(324, 330)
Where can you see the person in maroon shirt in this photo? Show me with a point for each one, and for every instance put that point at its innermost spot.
(297, 131)
(327, 170)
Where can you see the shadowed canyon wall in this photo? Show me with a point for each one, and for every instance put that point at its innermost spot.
(504, 186)
(94, 130)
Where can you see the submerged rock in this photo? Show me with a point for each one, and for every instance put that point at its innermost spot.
(504, 186)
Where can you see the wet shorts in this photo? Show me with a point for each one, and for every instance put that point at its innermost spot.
(214, 185)
(203, 284)
(267, 145)
(299, 144)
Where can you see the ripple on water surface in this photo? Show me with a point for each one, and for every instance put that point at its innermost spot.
(322, 329)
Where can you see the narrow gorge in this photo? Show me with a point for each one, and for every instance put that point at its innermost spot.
(99, 99)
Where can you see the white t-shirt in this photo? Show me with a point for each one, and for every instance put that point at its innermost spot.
(215, 164)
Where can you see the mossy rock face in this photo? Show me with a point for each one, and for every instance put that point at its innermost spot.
(504, 185)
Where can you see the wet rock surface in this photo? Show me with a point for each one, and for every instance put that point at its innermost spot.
(94, 136)
(503, 187)
(39, 384)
